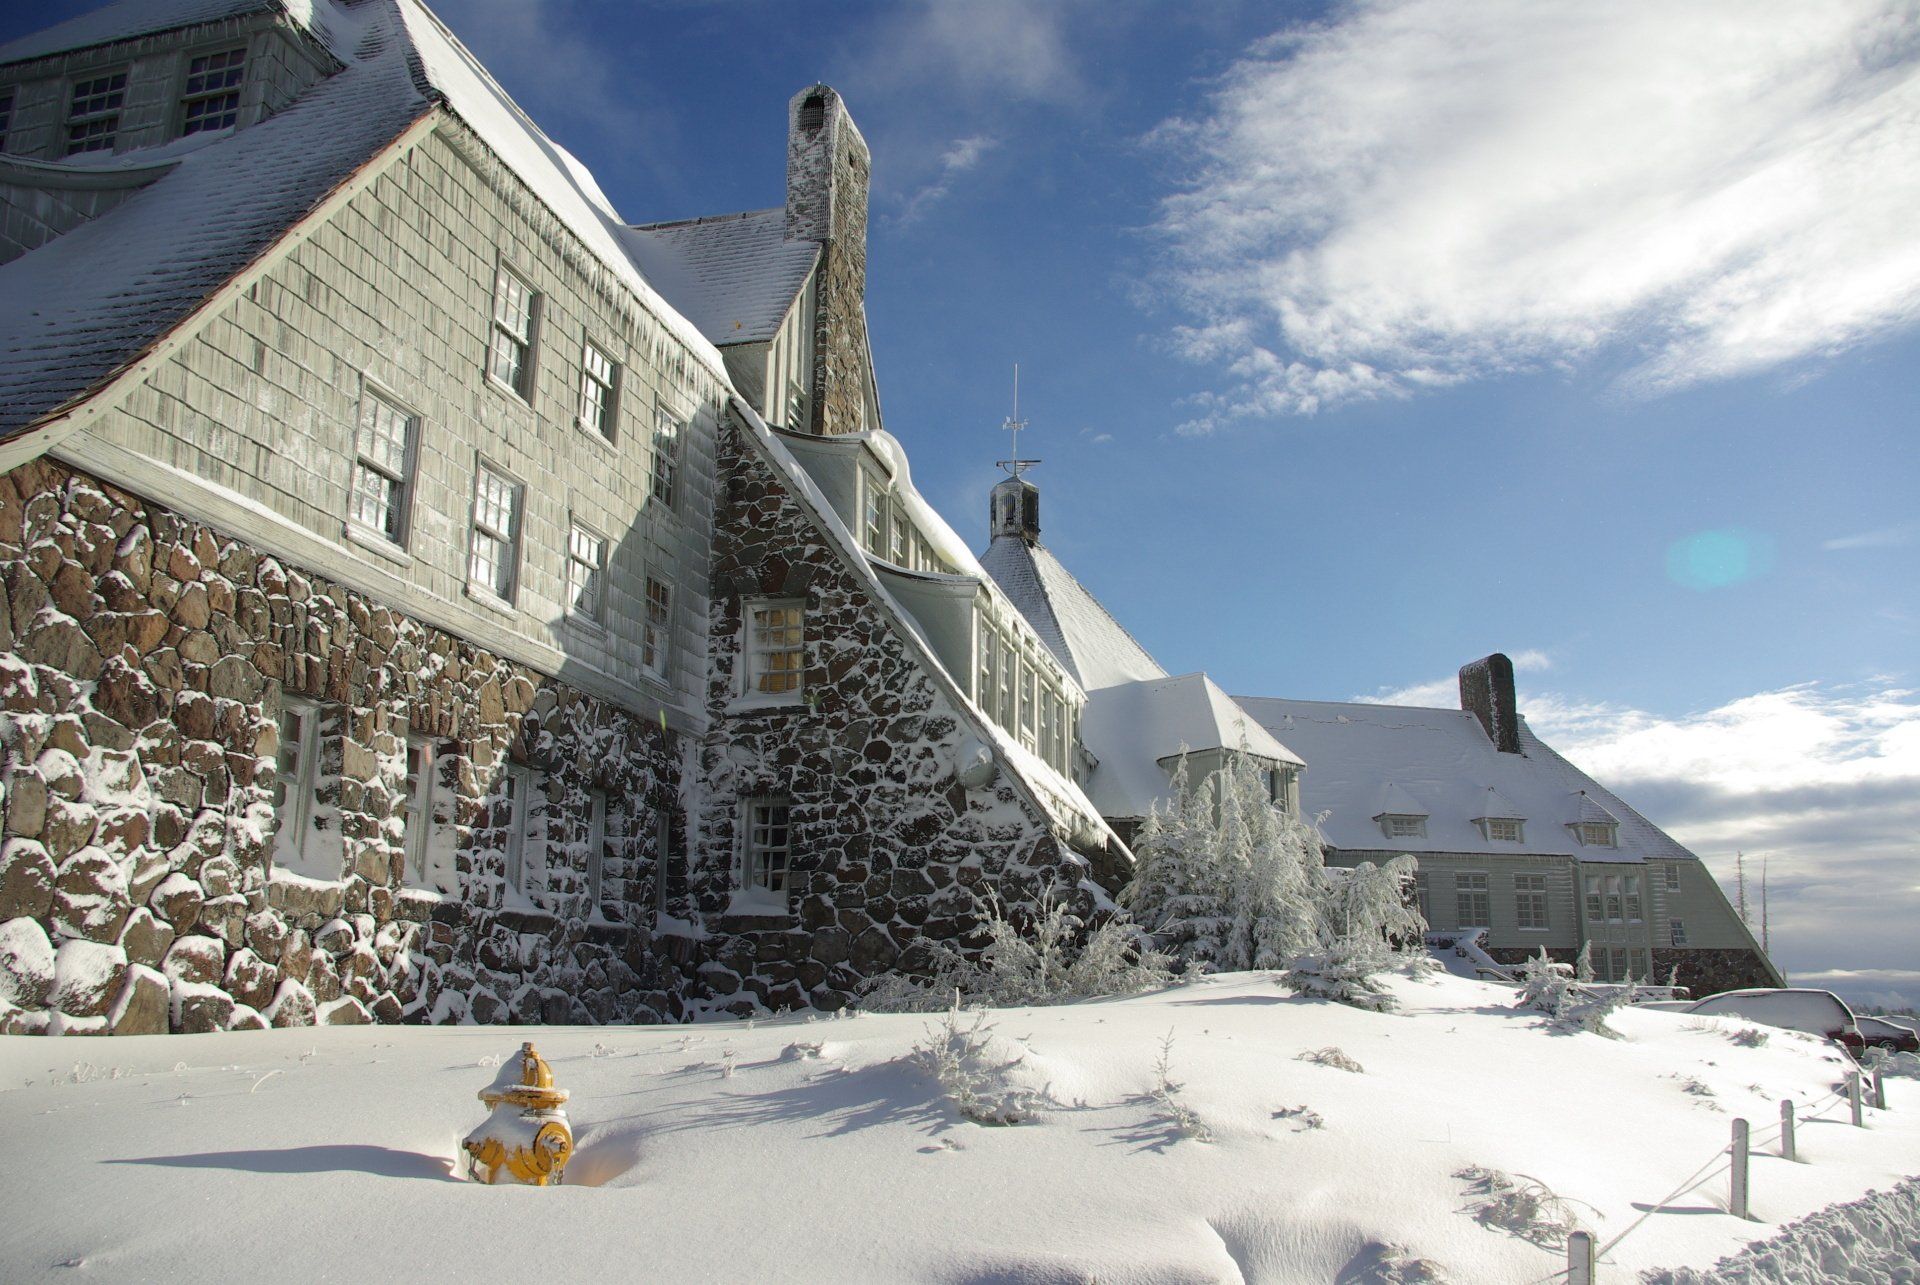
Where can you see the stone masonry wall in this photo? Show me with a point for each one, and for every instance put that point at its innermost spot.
(144, 660)
(890, 850)
(1702, 971)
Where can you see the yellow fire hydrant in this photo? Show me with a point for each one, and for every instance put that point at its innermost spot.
(526, 1139)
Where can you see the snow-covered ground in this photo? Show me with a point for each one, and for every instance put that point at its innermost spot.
(819, 1150)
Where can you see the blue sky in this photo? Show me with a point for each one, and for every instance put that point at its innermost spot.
(1359, 341)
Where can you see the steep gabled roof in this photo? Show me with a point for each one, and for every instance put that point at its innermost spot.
(129, 20)
(733, 275)
(1356, 754)
(1081, 633)
(1136, 729)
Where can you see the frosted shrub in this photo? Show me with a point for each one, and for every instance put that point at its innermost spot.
(1345, 971)
(1166, 1093)
(1363, 916)
(958, 1056)
(1334, 1057)
(1548, 986)
(1517, 1204)
(1749, 1037)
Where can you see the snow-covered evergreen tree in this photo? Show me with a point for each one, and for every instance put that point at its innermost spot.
(1583, 966)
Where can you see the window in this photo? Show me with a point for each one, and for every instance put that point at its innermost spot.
(666, 449)
(1404, 827)
(516, 793)
(6, 117)
(1676, 932)
(1596, 903)
(1472, 899)
(496, 532)
(93, 116)
(596, 847)
(873, 527)
(212, 98)
(796, 407)
(776, 651)
(296, 771)
(1530, 901)
(769, 845)
(1595, 834)
(586, 573)
(1503, 829)
(657, 634)
(899, 552)
(599, 378)
(1673, 878)
(1422, 897)
(1009, 683)
(1027, 731)
(986, 683)
(662, 846)
(515, 311)
(1616, 903)
(416, 815)
(382, 492)
(1632, 893)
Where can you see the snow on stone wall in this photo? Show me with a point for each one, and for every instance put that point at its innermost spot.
(144, 660)
(890, 849)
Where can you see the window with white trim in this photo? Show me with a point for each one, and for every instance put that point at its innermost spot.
(596, 847)
(767, 857)
(383, 453)
(1530, 902)
(900, 547)
(1401, 826)
(1503, 829)
(656, 636)
(493, 554)
(516, 311)
(776, 649)
(1028, 737)
(93, 113)
(1630, 890)
(1473, 899)
(1423, 896)
(416, 815)
(1676, 932)
(516, 797)
(873, 513)
(1673, 877)
(1009, 683)
(1595, 834)
(986, 682)
(586, 574)
(1596, 900)
(666, 455)
(296, 773)
(599, 384)
(212, 96)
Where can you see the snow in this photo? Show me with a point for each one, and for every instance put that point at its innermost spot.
(1080, 632)
(1821, 1012)
(819, 1150)
(1439, 763)
(125, 20)
(733, 275)
(1132, 728)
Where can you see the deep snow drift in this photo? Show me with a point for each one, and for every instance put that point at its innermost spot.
(826, 1150)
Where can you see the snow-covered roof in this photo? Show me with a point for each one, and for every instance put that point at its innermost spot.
(86, 305)
(1080, 632)
(129, 19)
(733, 275)
(1442, 761)
(1133, 729)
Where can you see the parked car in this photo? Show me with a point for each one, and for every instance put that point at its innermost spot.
(1819, 1013)
(1879, 1033)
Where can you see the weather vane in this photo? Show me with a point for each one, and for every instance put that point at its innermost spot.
(1013, 424)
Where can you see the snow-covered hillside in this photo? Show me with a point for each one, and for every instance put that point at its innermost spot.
(820, 1150)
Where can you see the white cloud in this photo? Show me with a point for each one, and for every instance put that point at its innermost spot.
(1420, 192)
(1886, 538)
(961, 156)
(979, 48)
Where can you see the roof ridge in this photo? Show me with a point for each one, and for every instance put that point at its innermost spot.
(1088, 593)
(664, 224)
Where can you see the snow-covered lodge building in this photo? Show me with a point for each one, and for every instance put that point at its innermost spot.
(427, 595)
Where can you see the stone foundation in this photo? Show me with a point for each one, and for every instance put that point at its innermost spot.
(1702, 971)
(144, 664)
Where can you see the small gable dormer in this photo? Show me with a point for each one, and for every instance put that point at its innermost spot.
(1401, 816)
(1500, 820)
(1593, 825)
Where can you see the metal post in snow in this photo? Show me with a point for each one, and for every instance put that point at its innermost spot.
(1853, 1099)
(1788, 1150)
(1580, 1258)
(1737, 1206)
(1879, 1089)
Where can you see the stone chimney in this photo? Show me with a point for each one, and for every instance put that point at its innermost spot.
(1486, 692)
(827, 178)
(1015, 510)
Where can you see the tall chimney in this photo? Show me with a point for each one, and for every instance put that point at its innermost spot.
(827, 179)
(1486, 692)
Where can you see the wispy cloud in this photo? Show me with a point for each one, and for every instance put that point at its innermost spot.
(978, 48)
(1421, 192)
(963, 155)
(1820, 783)
(1885, 538)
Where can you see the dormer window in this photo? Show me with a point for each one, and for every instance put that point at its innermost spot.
(212, 97)
(93, 117)
(1397, 825)
(1503, 829)
(1596, 834)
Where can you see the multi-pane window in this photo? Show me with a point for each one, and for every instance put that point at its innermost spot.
(6, 117)
(899, 548)
(1028, 734)
(596, 846)
(666, 454)
(1676, 932)
(1530, 901)
(515, 312)
(769, 848)
(1503, 829)
(599, 377)
(586, 573)
(212, 98)
(1616, 903)
(1673, 878)
(1473, 899)
(987, 654)
(93, 115)
(873, 526)
(1596, 834)
(293, 783)
(1009, 683)
(776, 651)
(416, 815)
(1404, 827)
(383, 468)
(516, 787)
(1631, 892)
(496, 532)
(1423, 896)
(656, 637)
(1596, 899)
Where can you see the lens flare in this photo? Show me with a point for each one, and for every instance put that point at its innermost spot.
(1718, 559)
